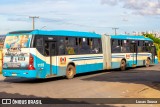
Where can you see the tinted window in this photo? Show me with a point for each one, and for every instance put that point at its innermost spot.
(125, 47)
(140, 46)
(97, 46)
(61, 46)
(71, 46)
(39, 44)
(90, 46)
(116, 48)
(146, 46)
(52, 48)
(84, 46)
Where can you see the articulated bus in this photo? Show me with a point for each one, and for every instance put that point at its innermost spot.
(45, 54)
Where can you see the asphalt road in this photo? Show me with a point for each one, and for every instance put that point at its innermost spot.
(139, 82)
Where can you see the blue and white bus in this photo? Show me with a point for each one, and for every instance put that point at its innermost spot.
(45, 54)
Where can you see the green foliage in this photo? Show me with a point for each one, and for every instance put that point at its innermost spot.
(156, 40)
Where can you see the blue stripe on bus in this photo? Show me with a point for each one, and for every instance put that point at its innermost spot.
(118, 57)
(86, 59)
(95, 57)
(89, 67)
(140, 55)
(101, 57)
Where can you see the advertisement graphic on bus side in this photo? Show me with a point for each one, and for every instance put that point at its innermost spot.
(16, 52)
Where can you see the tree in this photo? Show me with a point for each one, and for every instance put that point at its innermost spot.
(155, 40)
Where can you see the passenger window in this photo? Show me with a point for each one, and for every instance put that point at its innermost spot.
(125, 48)
(61, 46)
(116, 48)
(84, 47)
(95, 46)
(46, 52)
(91, 43)
(38, 44)
(71, 47)
(140, 46)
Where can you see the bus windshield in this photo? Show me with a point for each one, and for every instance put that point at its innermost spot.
(17, 41)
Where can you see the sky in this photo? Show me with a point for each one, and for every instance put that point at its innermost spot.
(98, 16)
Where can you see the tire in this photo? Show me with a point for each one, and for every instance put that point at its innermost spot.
(123, 65)
(70, 72)
(148, 61)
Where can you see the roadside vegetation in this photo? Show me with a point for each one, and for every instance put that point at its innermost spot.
(156, 40)
(156, 43)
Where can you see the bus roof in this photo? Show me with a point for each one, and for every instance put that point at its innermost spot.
(78, 34)
(130, 37)
(65, 32)
(21, 31)
(57, 33)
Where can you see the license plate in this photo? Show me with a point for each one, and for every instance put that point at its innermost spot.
(14, 74)
(21, 59)
(14, 65)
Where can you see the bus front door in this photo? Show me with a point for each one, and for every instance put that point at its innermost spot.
(134, 54)
(52, 58)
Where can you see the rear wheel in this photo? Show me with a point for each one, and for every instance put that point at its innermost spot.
(148, 62)
(70, 71)
(123, 65)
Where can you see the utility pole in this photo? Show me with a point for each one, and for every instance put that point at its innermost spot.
(115, 30)
(33, 19)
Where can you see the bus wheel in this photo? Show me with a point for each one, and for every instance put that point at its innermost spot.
(123, 65)
(70, 71)
(147, 62)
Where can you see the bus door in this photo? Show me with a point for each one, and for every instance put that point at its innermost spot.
(134, 53)
(50, 49)
(153, 53)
